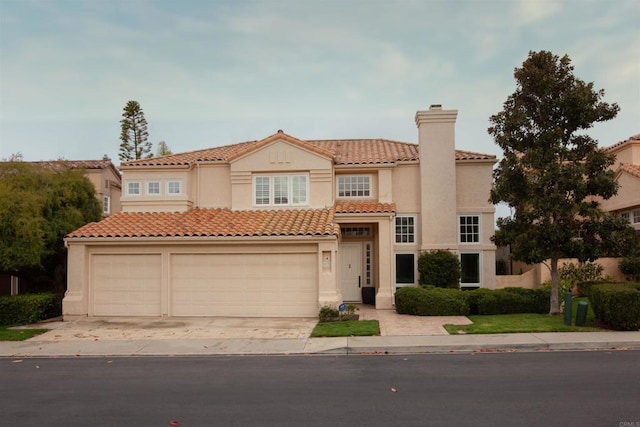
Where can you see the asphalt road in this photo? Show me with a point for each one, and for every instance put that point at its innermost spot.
(493, 389)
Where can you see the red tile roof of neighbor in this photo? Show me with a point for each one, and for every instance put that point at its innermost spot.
(214, 223)
(631, 169)
(342, 151)
(634, 138)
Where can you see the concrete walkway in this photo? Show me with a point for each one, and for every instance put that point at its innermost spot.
(259, 336)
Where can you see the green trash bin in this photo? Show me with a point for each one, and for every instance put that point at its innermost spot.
(581, 313)
(568, 302)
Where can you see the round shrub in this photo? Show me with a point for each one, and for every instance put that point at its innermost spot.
(508, 301)
(439, 268)
(630, 267)
(431, 301)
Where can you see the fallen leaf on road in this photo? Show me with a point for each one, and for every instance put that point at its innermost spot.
(394, 390)
(17, 361)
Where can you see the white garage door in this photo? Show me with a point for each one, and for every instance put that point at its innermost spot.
(126, 285)
(256, 285)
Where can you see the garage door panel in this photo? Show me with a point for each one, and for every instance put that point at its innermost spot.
(126, 285)
(243, 285)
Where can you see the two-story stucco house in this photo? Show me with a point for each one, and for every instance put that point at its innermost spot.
(283, 226)
(627, 169)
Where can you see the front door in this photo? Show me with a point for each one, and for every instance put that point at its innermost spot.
(351, 271)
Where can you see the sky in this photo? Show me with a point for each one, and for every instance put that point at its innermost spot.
(210, 73)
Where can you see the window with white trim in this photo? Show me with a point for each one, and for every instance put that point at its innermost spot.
(280, 190)
(153, 188)
(626, 216)
(405, 268)
(470, 269)
(355, 186)
(636, 216)
(106, 205)
(133, 188)
(174, 188)
(405, 229)
(469, 226)
(368, 270)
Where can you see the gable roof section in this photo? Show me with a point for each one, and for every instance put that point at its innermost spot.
(342, 151)
(213, 223)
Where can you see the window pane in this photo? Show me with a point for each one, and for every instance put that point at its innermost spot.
(133, 188)
(405, 268)
(280, 190)
(354, 186)
(262, 190)
(470, 264)
(173, 187)
(469, 228)
(299, 190)
(153, 188)
(405, 230)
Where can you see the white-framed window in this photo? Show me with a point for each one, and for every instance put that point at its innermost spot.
(636, 216)
(106, 205)
(405, 268)
(405, 229)
(280, 190)
(133, 188)
(470, 266)
(626, 216)
(469, 227)
(153, 188)
(356, 231)
(174, 188)
(354, 186)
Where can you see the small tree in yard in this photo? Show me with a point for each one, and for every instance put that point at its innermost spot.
(552, 174)
(439, 268)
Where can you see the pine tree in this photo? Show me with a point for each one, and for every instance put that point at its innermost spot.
(134, 135)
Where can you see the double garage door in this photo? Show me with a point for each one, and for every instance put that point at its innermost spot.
(253, 285)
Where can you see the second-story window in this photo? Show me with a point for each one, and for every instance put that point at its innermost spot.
(133, 188)
(174, 187)
(280, 190)
(355, 186)
(469, 226)
(153, 188)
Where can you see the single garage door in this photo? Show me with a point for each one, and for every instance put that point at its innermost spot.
(126, 284)
(252, 285)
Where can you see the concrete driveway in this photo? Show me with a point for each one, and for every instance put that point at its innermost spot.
(153, 328)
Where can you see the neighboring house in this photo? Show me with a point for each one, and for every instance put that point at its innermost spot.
(627, 168)
(106, 179)
(283, 226)
(104, 176)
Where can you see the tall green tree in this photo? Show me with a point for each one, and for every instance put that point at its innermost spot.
(38, 207)
(135, 143)
(552, 173)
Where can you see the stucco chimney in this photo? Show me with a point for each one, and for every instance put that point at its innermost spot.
(436, 137)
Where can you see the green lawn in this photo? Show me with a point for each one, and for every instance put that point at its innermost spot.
(525, 322)
(347, 328)
(7, 334)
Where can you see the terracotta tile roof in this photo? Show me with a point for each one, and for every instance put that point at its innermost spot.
(360, 207)
(634, 138)
(343, 152)
(76, 164)
(213, 223)
(630, 169)
(470, 155)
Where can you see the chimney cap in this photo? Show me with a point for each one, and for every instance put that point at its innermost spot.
(435, 107)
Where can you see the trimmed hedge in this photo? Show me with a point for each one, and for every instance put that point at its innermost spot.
(431, 301)
(509, 301)
(617, 305)
(28, 308)
(439, 268)
(584, 287)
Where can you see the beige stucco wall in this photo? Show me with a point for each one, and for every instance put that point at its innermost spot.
(212, 186)
(627, 153)
(406, 188)
(106, 183)
(162, 202)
